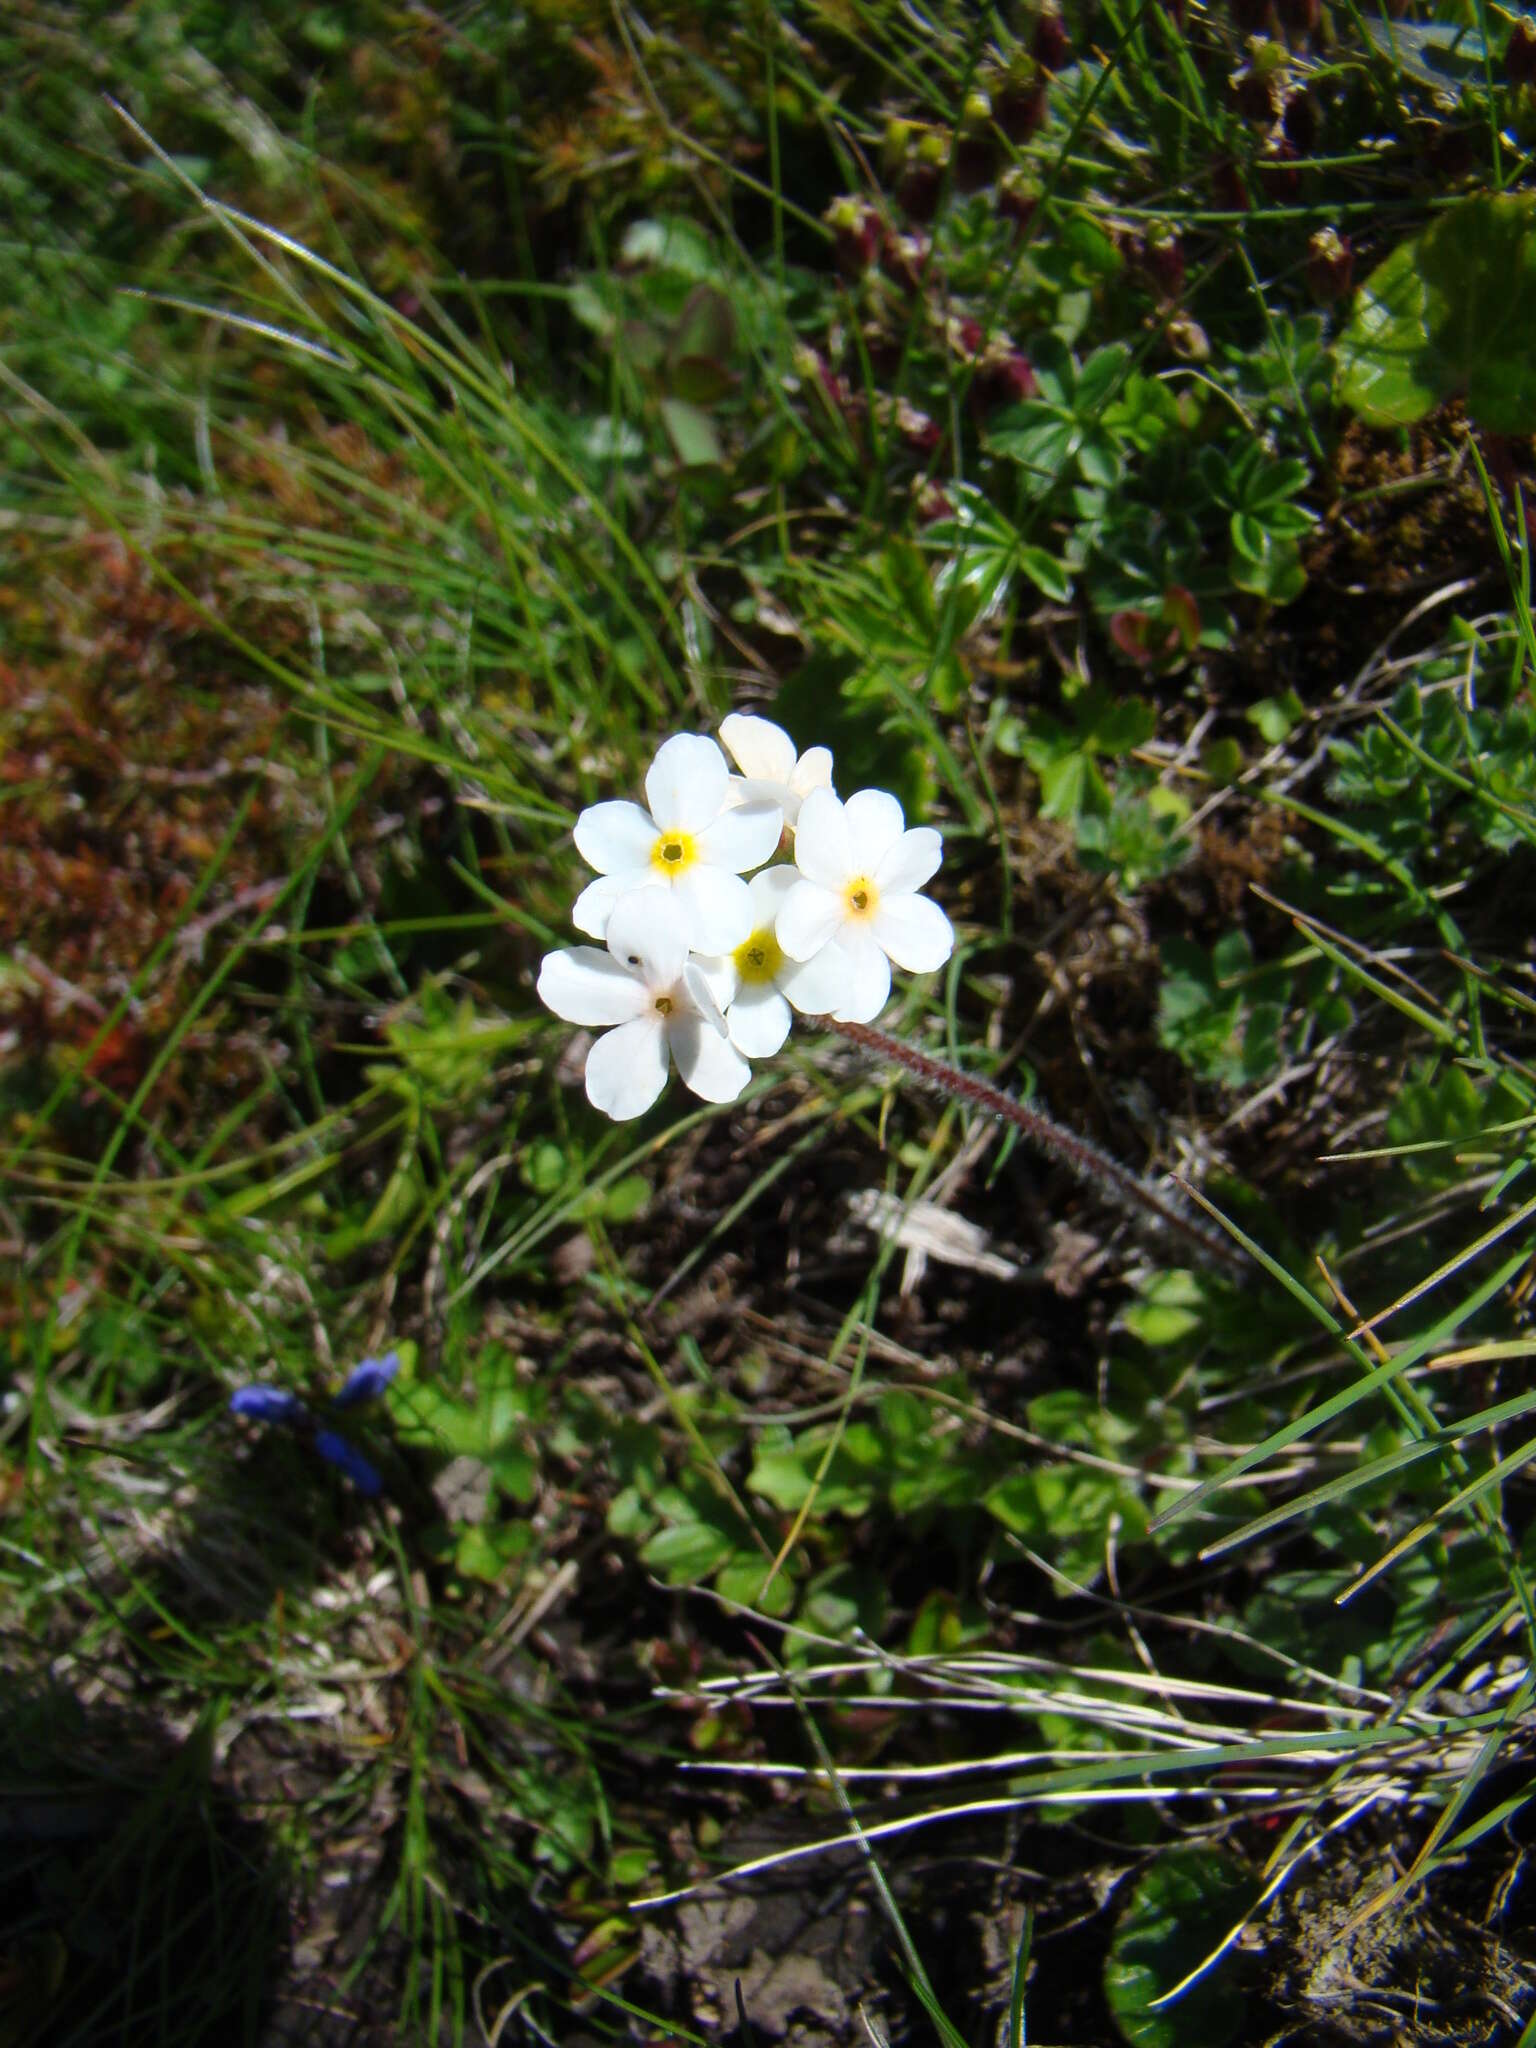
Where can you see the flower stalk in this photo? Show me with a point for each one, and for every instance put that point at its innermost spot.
(1081, 1157)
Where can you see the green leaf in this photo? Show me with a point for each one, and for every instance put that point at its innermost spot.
(1099, 377)
(692, 434)
(1276, 716)
(1449, 313)
(687, 1552)
(743, 1579)
(706, 328)
(1272, 570)
(1099, 460)
(1047, 572)
(485, 1551)
(1015, 1504)
(1184, 1905)
(1039, 437)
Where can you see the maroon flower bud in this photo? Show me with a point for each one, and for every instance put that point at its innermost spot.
(974, 163)
(930, 502)
(1227, 186)
(1004, 376)
(1299, 121)
(856, 234)
(884, 349)
(1330, 266)
(923, 180)
(1017, 197)
(1052, 45)
(921, 432)
(1278, 171)
(904, 259)
(1520, 52)
(1019, 101)
(918, 192)
(1299, 18)
(966, 336)
(1162, 257)
(1254, 92)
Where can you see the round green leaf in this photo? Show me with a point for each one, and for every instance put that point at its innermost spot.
(1449, 312)
(1185, 1904)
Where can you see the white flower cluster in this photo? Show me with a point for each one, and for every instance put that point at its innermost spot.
(703, 967)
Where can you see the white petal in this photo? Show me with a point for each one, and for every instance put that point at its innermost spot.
(822, 850)
(911, 861)
(762, 750)
(813, 770)
(612, 837)
(717, 908)
(648, 934)
(594, 906)
(869, 977)
(759, 1022)
(585, 986)
(701, 994)
(685, 784)
(747, 789)
(808, 919)
(742, 838)
(769, 887)
(875, 824)
(709, 1064)
(718, 973)
(816, 986)
(915, 932)
(627, 1068)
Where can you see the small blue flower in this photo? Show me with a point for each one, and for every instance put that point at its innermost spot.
(346, 1457)
(367, 1381)
(267, 1404)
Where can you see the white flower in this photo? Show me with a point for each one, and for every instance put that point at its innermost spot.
(658, 1000)
(690, 841)
(856, 908)
(765, 754)
(752, 983)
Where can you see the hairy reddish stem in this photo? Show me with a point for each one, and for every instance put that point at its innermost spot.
(1079, 1155)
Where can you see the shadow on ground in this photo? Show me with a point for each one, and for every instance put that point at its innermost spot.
(137, 1905)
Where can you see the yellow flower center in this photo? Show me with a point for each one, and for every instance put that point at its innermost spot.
(861, 897)
(759, 958)
(663, 1006)
(673, 854)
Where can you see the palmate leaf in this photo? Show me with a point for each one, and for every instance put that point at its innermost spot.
(1449, 313)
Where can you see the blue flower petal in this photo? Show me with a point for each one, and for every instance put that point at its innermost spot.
(367, 1381)
(266, 1404)
(349, 1459)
